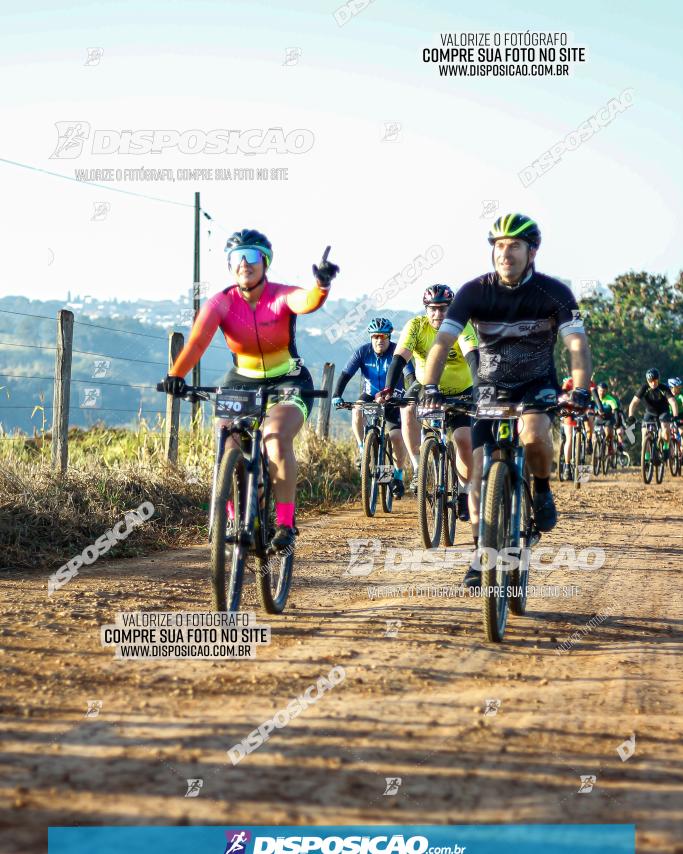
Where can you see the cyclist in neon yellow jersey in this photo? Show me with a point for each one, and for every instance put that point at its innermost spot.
(461, 364)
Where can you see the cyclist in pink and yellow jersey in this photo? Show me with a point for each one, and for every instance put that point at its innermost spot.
(258, 319)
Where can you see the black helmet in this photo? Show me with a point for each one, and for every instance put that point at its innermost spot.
(437, 294)
(516, 225)
(652, 374)
(249, 238)
(603, 384)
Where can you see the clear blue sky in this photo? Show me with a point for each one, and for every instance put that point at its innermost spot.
(613, 204)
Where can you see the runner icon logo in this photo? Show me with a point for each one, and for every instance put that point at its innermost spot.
(193, 788)
(587, 783)
(362, 558)
(393, 785)
(94, 707)
(492, 707)
(237, 841)
(392, 628)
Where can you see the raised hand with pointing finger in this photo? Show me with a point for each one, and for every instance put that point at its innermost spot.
(326, 271)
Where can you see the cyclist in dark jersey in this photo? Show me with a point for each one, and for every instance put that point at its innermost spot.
(517, 314)
(657, 399)
(373, 361)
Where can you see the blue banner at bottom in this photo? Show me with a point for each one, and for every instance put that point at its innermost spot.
(347, 839)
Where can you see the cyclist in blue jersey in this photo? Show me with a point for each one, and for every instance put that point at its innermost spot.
(373, 361)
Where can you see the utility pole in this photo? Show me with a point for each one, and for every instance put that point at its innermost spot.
(196, 371)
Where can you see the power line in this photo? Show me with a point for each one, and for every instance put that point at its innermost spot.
(93, 184)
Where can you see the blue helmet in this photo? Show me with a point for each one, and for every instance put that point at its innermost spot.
(673, 382)
(380, 326)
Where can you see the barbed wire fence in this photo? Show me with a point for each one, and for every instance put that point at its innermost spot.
(87, 381)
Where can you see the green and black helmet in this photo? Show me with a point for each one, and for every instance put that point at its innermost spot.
(249, 238)
(516, 225)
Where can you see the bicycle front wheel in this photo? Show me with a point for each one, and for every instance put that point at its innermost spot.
(228, 556)
(369, 485)
(646, 464)
(429, 498)
(598, 455)
(495, 535)
(560, 460)
(274, 573)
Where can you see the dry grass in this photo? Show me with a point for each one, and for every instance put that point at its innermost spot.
(46, 519)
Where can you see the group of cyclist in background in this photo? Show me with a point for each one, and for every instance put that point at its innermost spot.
(490, 340)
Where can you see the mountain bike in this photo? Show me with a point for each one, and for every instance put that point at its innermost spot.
(652, 452)
(377, 462)
(437, 475)
(579, 443)
(242, 509)
(507, 516)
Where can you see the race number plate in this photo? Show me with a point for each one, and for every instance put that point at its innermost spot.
(234, 403)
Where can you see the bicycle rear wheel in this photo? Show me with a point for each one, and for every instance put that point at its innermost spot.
(429, 499)
(598, 455)
(561, 475)
(519, 578)
(274, 573)
(450, 504)
(661, 464)
(578, 457)
(387, 458)
(228, 559)
(674, 459)
(646, 464)
(369, 485)
(495, 535)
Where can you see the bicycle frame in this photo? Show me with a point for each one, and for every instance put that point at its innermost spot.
(512, 452)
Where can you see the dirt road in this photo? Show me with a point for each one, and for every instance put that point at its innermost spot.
(477, 733)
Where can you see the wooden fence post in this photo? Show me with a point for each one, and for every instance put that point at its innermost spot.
(62, 391)
(176, 341)
(323, 425)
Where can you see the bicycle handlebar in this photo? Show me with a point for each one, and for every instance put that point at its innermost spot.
(267, 392)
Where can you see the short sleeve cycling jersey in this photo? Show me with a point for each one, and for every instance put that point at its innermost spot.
(418, 335)
(679, 400)
(656, 399)
(609, 401)
(262, 339)
(517, 326)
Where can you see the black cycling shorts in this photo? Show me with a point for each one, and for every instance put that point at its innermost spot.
(453, 420)
(392, 414)
(534, 395)
(662, 417)
(302, 380)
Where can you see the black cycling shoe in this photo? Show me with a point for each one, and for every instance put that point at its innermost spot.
(284, 538)
(463, 508)
(472, 579)
(397, 488)
(544, 511)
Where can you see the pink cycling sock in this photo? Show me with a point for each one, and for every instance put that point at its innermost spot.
(230, 508)
(284, 513)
